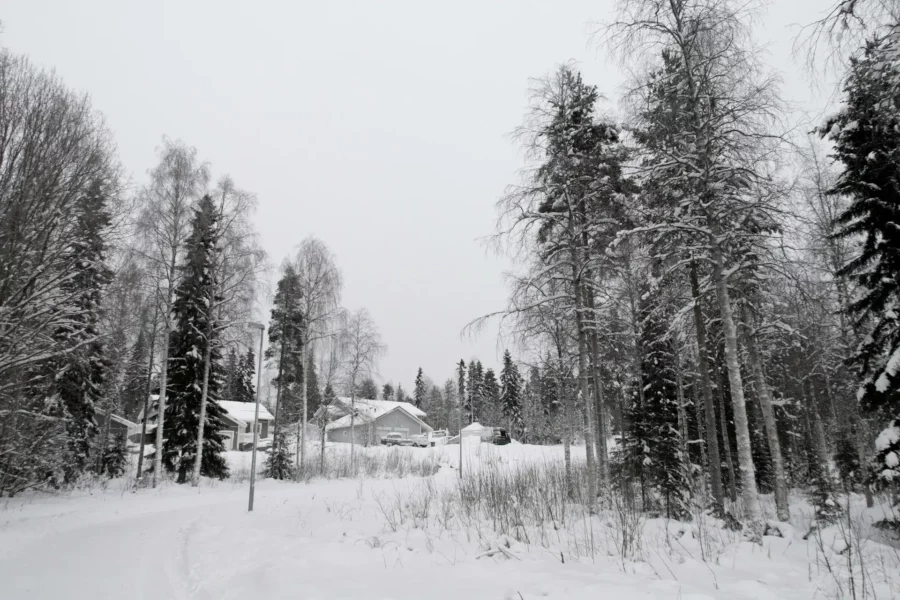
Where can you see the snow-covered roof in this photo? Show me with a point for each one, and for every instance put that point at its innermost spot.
(474, 427)
(363, 418)
(376, 408)
(240, 411)
(124, 421)
(243, 411)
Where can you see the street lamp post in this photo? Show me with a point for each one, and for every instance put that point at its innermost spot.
(261, 328)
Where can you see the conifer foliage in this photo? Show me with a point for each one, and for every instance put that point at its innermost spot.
(511, 392)
(244, 389)
(866, 137)
(194, 336)
(80, 374)
(421, 391)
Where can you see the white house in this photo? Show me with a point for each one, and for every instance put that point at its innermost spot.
(238, 420)
(373, 420)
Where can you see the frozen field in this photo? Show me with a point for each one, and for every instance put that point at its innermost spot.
(404, 538)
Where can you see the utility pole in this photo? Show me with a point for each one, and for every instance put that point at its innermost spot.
(261, 328)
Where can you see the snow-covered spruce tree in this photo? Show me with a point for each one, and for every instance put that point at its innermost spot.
(279, 463)
(719, 161)
(245, 389)
(866, 137)
(80, 373)
(136, 372)
(462, 405)
(368, 389)
(329, 397)
(663, 462)
(285, 340)
(491, 408)
(164, 224)
(419, 394)
(473, 392)
(231, 368)
(313, 393)
(192, 341)
(511, 393)
(115, 457)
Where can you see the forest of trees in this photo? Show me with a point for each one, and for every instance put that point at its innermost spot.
(706, 302)
(138, 300)
(705, 288)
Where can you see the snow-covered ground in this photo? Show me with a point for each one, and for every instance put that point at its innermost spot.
(400, 538)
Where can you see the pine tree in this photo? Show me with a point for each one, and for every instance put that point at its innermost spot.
(461, 393)
(80, 374)
(279, 463)
(387, 392)
(195, 336)
(420, 389)
(244, 388)
(135, 387)
(285, 339)
(866, 137)
(115, 457)
(437, 409)
(229, 390)
(491, 408)
(400, 396)
(313, 395)
(367, 389)
(511, 392)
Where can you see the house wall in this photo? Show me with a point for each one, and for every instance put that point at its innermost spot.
(234, 429)
(343, 434)
(397, 420)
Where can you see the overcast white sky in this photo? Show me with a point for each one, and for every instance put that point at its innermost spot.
(379, 127)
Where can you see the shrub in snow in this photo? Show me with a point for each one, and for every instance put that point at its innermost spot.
(114, 458)
(279, 464)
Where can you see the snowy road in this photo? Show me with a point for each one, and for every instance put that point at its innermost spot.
(332, 540)
(301, 542)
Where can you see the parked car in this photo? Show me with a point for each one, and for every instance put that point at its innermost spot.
(396, 439)
(430, 439)
(500, 437)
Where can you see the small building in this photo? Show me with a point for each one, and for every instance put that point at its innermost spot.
(237, 418)
(374, 419)
(118, 426)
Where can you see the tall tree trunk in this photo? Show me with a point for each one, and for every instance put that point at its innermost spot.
(682, 420)
(302, 424)
(353, 427)
(585, 394)
(164, 371)
(140, 464)
(701, 436)
(567, 428)
(198, 461)
(726, 443)
(766, 406)
(817, 429)
(755, 523)
(161, 409)
(599, 403)
(278, 392)
(712, 442)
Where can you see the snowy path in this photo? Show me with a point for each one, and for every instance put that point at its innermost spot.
(302, 542)
(331, 540)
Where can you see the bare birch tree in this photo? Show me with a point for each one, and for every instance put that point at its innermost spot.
(176, 183)
(362, 348)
